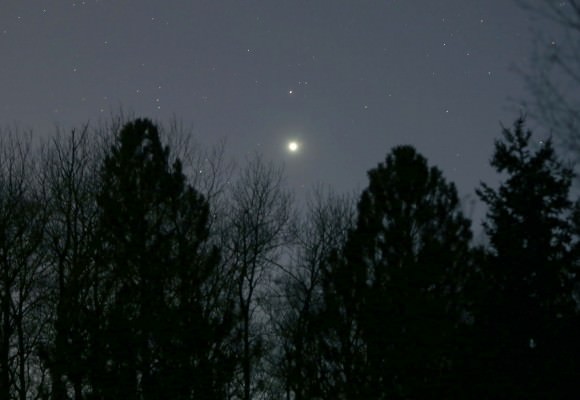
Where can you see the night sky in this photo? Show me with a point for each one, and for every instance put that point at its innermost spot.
(348, 80)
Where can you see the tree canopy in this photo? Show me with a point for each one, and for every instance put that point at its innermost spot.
(119, 279)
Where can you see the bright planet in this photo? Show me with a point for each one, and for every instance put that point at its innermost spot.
(293, 147)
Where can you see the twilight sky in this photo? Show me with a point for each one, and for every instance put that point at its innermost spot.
(348, 79)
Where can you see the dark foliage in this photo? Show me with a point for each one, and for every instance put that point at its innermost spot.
(116, 282)
(525, 319)
(160, 338)
(392, 294)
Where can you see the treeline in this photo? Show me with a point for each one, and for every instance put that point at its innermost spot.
(129, 271)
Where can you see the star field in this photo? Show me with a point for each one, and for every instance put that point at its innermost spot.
(348, 80)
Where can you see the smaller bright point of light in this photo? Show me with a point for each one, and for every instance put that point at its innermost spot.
(290, 91)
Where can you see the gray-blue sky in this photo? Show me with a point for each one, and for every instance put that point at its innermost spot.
(349, 79)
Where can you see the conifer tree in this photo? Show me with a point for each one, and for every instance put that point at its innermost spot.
(392, 294)
(530, 275)
(166, 327)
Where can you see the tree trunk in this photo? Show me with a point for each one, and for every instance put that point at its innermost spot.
(247, 366)
(5, 348)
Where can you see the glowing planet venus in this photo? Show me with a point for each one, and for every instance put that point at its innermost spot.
(293, 147)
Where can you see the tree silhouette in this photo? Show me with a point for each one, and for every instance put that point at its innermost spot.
(70, 181)
(553, 80)
(530, 276)
(112, 285)
(321, 231)
(22, 268)
(392, 294)
(162, 339)
(256, 219)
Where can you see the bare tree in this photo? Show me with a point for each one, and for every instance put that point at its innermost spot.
(208, 169)
(258, 213)
(322, 230)
(554, 80)
(70, 181)
(79, 292)
(22, 268)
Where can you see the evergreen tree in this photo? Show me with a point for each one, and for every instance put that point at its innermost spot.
(392, 294)
(166, 327)
(529, 277)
